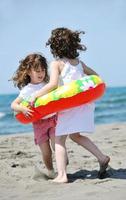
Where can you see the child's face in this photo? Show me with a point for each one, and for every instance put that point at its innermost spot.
(37, 76)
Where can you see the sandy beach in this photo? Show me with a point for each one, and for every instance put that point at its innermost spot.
(19, 158)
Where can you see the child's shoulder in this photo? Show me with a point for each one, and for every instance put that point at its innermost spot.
(56, 62)
(25, 88)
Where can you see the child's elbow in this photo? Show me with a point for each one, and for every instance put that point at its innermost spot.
(53, 86)
(12, 106)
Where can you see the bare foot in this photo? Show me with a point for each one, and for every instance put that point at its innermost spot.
(103, 166)
(51, 174)
(60, 179)
(39, 174)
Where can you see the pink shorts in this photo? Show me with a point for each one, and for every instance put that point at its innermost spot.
(44, 129)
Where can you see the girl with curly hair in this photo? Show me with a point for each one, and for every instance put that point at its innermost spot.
(30, 77)
(65, 46)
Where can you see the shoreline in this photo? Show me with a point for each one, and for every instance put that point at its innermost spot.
(96, 125)
(19, 156)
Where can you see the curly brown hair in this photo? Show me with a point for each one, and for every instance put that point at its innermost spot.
(65, 43)
(32, 61)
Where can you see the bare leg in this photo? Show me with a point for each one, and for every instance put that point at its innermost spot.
(47, 158)
(52, 141)
(60, 151)
(91, 147)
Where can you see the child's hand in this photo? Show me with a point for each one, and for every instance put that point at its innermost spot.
(27, 112)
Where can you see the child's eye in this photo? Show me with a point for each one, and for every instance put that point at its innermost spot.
(39, 71)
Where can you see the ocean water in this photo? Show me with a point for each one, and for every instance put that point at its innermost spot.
(109, 109)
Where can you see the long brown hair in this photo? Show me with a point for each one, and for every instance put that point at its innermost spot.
(21, 77)
(65, 43)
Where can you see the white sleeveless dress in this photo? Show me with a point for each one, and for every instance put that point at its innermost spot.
(77, 119)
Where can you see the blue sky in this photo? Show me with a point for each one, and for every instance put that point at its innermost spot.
(25, 26)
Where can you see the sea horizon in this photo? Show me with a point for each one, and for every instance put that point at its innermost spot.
(110, 108)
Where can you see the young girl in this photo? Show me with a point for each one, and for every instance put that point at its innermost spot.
(64, 45)
(31, 76)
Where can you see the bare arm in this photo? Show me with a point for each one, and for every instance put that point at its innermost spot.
(53, 83)
(15, 105)
(88, 70)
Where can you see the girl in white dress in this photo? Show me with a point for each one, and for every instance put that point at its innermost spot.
(64, 45)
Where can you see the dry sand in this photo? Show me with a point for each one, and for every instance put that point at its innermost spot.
(19, 156)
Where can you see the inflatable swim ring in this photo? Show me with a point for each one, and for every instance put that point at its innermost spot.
(78, 92)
